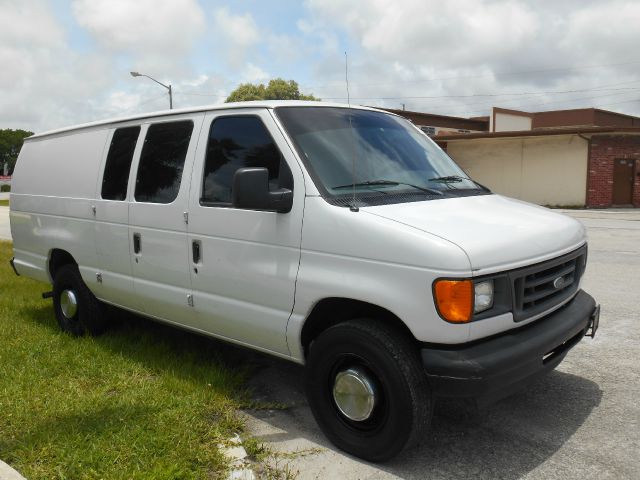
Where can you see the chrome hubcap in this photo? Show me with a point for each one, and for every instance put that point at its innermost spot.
(68, 303)
(354, 394)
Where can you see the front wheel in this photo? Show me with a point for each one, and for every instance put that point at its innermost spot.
(367, 389)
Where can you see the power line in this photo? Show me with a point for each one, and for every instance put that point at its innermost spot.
(201, 94)
(493, 94)
(495, 74)
(537, 105)
(512, 100)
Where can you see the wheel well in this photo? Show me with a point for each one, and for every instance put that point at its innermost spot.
(331, 311)
(57, 259)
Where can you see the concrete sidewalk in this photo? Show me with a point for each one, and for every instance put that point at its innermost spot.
(5, 229)
(8, 473)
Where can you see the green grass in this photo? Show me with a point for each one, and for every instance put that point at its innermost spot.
(4, 203)
(141, 401)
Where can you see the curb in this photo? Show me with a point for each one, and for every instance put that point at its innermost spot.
(8, 473)
(235, 452)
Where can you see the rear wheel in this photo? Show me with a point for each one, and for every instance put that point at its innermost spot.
(77, 309)
(367, 389)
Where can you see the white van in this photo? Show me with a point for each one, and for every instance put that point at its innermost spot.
(336, 237)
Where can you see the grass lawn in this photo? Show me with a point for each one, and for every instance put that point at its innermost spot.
(141, 401)
(4, 203)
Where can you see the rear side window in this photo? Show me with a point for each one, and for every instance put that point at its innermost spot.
(116, 170)
(238, 142)
(162, 161)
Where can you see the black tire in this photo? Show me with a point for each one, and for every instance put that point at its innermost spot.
(89, 313)
(389, 358)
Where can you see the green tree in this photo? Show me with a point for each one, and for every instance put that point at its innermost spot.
(276, 89)
(10, 145)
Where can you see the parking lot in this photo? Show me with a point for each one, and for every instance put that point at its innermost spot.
(580, 422)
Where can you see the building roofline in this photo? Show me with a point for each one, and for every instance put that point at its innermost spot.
(448, 117)
(520, 113)
(588, 109)
(443, 121)
(615, 113)
(538, 133)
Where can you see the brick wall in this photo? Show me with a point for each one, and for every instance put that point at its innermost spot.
(604, 150)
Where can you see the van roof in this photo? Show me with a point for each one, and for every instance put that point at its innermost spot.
(202, 108)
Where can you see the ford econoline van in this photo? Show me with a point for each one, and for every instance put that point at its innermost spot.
(340, 238)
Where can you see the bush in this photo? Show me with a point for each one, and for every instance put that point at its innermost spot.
(5, 188)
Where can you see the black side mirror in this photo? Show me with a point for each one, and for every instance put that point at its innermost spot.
(251, 191)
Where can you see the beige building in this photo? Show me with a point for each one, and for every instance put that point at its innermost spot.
(584, 157)
(547, 170)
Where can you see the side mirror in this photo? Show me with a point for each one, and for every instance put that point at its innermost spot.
(251, 191)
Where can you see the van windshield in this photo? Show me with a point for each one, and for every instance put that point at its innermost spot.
(387, 159)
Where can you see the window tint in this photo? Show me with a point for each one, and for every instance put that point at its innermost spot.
(238, 142)
(116, 170)
(162, 161)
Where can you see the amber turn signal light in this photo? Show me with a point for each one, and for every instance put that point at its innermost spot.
(454, 299)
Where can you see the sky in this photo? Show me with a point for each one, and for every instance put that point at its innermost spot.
(65, 62)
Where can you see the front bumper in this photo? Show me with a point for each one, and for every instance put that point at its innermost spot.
(491, 369)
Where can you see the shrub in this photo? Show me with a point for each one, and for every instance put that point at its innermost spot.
(5, 188)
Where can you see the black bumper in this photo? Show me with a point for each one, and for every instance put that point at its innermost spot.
(490, 369)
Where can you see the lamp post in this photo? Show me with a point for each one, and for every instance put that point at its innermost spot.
(168, 87)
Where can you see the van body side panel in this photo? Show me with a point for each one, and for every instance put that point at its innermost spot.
(51, 201)
(358, 256)
(244, 283)
(160, 268)
(112, 239)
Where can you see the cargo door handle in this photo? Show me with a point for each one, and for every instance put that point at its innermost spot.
(195, 249)
(137, 243)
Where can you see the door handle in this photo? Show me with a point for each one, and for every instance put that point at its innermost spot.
(137, 243)
(195, 250)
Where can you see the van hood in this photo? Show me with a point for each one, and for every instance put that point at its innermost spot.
(496, 232)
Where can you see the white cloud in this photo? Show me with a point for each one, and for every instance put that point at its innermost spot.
(253, 74)
(142, 27)
(434, 48)
(601, 32)
(237, 32)
(46, 84)
(52, 76)
(42, 30)
(419, 31)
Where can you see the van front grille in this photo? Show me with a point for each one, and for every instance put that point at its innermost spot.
(542, 286)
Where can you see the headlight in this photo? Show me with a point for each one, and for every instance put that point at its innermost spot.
(483, 296)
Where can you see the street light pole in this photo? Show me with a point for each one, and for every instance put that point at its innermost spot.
(168, 87)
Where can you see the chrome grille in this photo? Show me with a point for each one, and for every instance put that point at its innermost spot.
(542, 286)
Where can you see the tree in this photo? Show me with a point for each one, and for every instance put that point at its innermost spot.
(10, 145)
(276, 89)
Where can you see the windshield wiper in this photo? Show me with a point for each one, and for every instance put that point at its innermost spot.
(457, 178)
(373, 183)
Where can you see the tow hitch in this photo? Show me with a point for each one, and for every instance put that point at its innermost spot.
(594, 321)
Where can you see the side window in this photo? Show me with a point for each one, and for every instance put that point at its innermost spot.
(116, 170)
(238, 142)
(162, 161)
